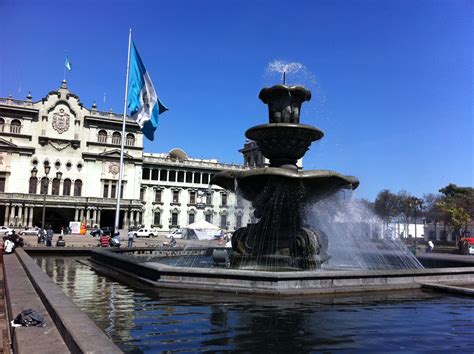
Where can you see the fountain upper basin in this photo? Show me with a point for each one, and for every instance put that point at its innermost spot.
(316, 184)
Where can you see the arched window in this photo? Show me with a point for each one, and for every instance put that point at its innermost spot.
(67, 187)
(116, 138)
(77, 188)
(102, 136)
(55, 187)
(130, 140)
(33, 184)
(15, 126)
(2, 124)
(44, 185)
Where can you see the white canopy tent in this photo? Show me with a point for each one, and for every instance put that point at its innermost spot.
(201, 230)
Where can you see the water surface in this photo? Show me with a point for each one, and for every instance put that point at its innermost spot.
(144, 321)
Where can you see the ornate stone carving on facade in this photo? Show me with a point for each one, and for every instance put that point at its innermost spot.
(61, 121)
(58, 144)
(114, 168)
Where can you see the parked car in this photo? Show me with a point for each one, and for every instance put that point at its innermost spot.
(4, 230)
(143, 232)
(32, 231)
(178, 233)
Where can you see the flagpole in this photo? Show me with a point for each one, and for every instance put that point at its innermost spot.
(119, 187)
(64, 79)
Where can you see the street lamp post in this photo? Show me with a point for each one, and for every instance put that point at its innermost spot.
(44, 189)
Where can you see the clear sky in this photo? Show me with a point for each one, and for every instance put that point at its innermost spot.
(392, 80)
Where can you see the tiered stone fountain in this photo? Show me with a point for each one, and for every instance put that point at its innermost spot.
(280, 240)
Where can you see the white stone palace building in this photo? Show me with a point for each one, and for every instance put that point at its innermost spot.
(80, 149)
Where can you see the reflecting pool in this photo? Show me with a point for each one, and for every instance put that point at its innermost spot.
(151, 321)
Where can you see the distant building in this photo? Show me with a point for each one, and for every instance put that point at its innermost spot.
(81, 149)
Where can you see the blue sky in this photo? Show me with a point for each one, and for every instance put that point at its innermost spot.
(392, 80)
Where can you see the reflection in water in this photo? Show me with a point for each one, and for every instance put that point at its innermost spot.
(155, 320)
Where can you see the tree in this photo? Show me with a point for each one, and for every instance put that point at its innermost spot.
(458, 204)
(385, 205)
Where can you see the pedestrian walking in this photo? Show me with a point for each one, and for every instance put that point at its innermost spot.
(49, 236)
(131, 235)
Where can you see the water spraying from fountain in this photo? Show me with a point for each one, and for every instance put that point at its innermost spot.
(359, 238)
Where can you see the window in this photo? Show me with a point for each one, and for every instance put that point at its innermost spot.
(102, 136)
(238, 221)
(163, 175)
(55, 187)
(113, 191)
(130, 141)
(192, 197)
(172, 176)
(146, 173)
(106, 191)
(2, 124)
(209, 218)
(116, 138)
(205, 178)
(67, 187)
(157, 195)
(157, 218)
(154, 175)
(209, 198)
(190, 218)
(77, 188)
(180, 176)
(223, 221)
(44, 185)
(175, 196)
(189, 177)
(197, 177)
(15, 126)
(174, 219)
(224, 199)
(33, 184)
(2, 184)
(142, 194)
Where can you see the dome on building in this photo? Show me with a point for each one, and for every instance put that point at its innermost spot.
(177, 154)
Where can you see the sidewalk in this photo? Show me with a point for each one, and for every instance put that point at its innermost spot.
(4, 342)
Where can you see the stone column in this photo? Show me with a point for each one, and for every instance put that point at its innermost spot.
(76, 215)
(20, 216)
(12, 214)
(94, 217)
(99, 212)
(7, 213)
(81, 215)
(30, 218)
(124, 221)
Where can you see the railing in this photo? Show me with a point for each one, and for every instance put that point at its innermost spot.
(11, 101)
(194, 163)
(32, 198)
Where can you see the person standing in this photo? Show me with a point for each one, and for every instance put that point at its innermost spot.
(131, 235)
(49, 236)
(430, 246)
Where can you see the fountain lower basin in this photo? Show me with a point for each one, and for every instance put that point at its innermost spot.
(285, 283)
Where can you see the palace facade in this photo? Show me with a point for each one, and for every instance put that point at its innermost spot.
(62, 158)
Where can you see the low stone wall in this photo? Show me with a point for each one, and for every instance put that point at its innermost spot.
(78, 332)
(284, 283)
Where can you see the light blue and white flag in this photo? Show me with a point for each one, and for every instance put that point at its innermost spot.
(67, 63)
(142, 100)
